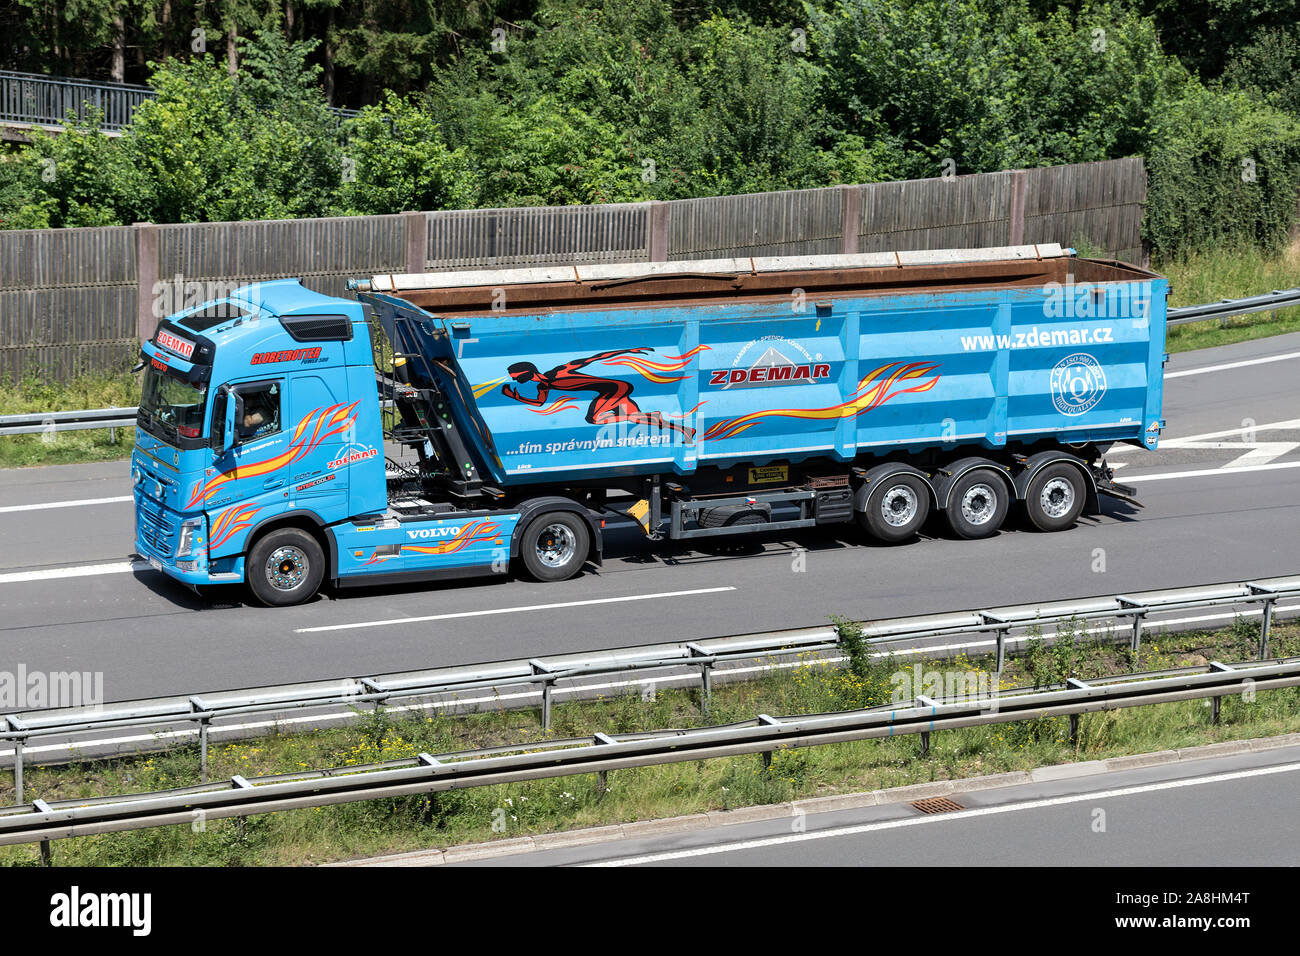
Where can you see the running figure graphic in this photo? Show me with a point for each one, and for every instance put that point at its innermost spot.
(613, 401)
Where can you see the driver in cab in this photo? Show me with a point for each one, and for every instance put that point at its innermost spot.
(259, 417)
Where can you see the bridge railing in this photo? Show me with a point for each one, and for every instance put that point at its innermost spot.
(31, 98)
(47, 100)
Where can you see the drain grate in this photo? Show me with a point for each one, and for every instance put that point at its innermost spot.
(937, 805)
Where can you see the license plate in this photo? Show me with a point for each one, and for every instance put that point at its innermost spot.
(155, 564)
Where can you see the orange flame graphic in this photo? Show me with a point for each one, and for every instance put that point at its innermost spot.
(229, 523)
(655, 371)
(482, 531)
(327, 422)
(886, 377)
(561, 405)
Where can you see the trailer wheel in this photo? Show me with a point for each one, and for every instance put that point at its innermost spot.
(1055, 497)
(554, 546)
(285, 567)
(977, 504)
(896, 509)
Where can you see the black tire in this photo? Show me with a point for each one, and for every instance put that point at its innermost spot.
(906, 499)
(977, 504)
(554, 546)
(1055, 497)
(285, 567)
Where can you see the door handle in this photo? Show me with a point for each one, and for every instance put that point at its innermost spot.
(272, 483)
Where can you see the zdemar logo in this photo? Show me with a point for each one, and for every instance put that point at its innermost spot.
(769, 375)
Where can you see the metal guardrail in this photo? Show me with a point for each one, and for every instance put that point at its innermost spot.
(1226, 308)
(602, 753)
(39, 100)
(46, 422)
(696, 660)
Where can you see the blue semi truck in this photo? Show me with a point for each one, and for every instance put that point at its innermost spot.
(522, 409)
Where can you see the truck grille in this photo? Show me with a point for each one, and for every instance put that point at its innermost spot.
(155, 530)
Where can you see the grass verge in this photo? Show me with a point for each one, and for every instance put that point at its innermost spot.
(473, 815)
(116, 390)
(1231, 274)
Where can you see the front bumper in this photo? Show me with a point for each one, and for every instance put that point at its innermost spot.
(157, 538)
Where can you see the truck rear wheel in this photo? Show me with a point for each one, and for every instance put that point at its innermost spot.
(896, 509)
(554, 546)
(1055, 497)
(977, 504)
(285, 567)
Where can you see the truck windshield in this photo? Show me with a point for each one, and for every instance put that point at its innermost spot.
(170, 408)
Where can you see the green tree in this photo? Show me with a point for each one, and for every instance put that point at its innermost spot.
(396, 159)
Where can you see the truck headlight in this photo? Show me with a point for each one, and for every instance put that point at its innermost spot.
(186, 545)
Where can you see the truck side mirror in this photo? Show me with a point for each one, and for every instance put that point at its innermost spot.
(232, 406)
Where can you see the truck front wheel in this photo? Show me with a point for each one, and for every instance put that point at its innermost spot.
(285, 567)
(554, 546)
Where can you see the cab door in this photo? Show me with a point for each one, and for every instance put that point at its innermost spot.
(325, 427)
(249, 481)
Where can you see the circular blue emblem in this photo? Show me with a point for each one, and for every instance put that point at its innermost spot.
(1078, 383)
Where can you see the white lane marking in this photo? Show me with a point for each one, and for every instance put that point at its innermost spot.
(1241, 430)
(1253, 451)
(1228, 365)
(841, 832)
(66, 504)
(81, 571)
(508, 610)
(1202, 472)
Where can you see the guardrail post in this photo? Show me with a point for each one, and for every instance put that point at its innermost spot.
(547, 683)
(767, 754)
(1000, 628)
(925, 743)
(1215, 701)
(47, 858)
(197, 705)
(706, 676)
(203, 750)
(15, 724)
(18, 770)
(241, 823)
(1074, 728)
(1265, 625)
(602, 776)
(1135, 637)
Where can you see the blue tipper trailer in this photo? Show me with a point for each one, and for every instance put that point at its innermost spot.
(697, 398)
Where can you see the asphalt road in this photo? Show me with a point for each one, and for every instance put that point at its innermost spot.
(1212, 811)
(69, 599)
